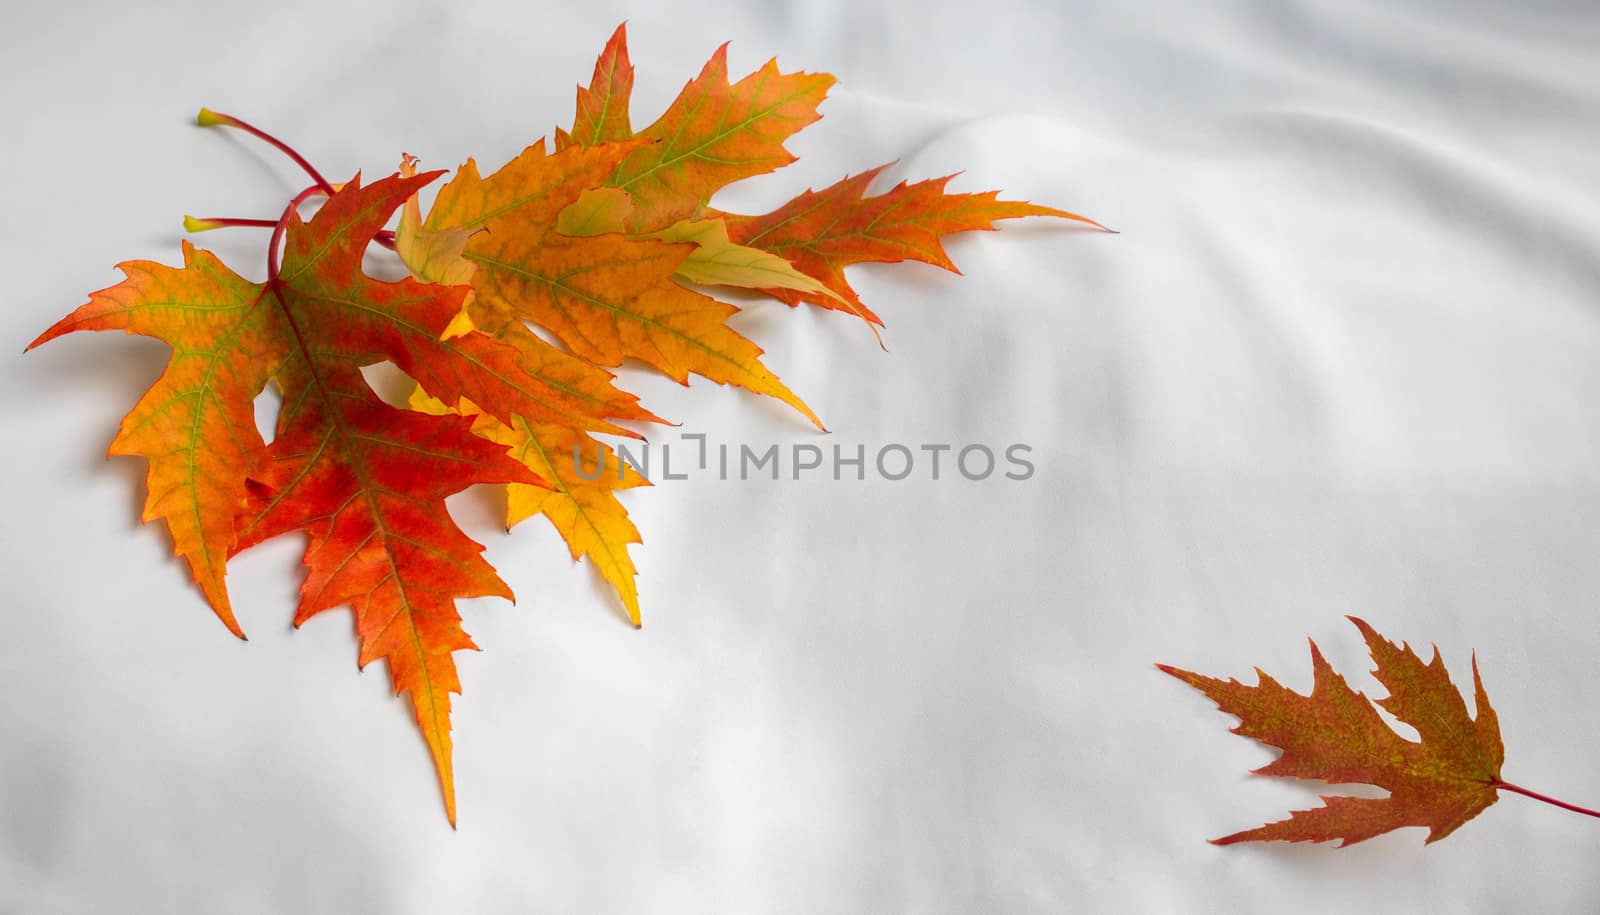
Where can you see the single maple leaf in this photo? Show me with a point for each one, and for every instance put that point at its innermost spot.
(366, 480)
(713, 134)
(607, 297)
(1335, 735)
(196, 425)
(822, 232)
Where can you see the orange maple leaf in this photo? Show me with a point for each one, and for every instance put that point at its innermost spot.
(607, 297)
(365, 479)
(196, 425)
(822, 232)
(1336, 735)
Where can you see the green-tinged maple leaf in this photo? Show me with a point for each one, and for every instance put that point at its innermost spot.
(607, 297)
(1336, 735)
(713, 261)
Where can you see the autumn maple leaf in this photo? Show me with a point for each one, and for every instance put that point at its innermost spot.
(716, 133)
(607, 297)
(1336, 735)
(822, 232)
(366, 480)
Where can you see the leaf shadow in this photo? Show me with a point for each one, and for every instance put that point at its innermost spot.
(98, 383)
(267, 161)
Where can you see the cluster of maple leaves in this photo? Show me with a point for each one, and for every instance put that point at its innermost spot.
(606, 241)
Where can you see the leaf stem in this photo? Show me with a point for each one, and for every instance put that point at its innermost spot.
(194, 224)
(282, 226)
(207, 118)
(1518, 789)
(384, 237)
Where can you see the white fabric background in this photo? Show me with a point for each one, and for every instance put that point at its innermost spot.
(1345, 358)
